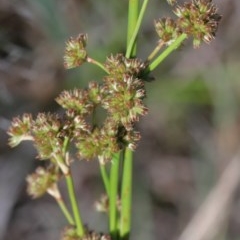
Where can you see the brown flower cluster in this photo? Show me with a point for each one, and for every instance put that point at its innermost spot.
(120, 96)
(42, 181)
(198, 19)
(75, 53)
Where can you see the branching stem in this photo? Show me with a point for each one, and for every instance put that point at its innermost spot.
(65, 211)
(93, 61)
(166, 52)
(155, 51)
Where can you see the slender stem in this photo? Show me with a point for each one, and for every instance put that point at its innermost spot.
(71, 190)
(131, 44)
(126, 192)
(132, 20)
(155, 51)
(65, 211)
(113, 196)
(166, 52)
(126, 195)
(73, 200)
(105, 178)
(55, 193)
(91, 60)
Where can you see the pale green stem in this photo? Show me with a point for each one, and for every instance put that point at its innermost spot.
(131, 44)
(155, 51)
(105, 178)
(65, 211)
(126, 195)
(126, 184)
(74, 204)
(132, 20)
(71, 191)
(91, 60)
(166, 52)
(55, 193)
(113, 196)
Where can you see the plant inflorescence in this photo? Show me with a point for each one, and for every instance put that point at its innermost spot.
(120, 95)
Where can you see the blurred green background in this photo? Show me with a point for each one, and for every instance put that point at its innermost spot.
(189, 138)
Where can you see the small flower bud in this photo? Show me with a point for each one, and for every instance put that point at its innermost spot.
(167, 30)
(75, 53)
(46, 130)
(76, 100)
(102, 205)
(20, 130)
(42, 181)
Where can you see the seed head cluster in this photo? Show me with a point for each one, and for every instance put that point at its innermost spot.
(121, 96)
(75, 53)
(198, 19)
(42, 181)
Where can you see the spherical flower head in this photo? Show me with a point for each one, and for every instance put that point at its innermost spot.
(76, 100)
(88, 145)
(48, 140)
(119, 65)
(75, 52)
(20, 130)
(99, 143)
(125, 104)
(199, 19)
(167, 30)
(41, 181)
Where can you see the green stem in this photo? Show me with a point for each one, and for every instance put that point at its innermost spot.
(74, 205)
(71, 190)
(155, 51)
(113, 196)
(105, 178)
(65, 211)
(126, 184)
(132, 21)
(166, 52)
(131, 44)
(91, 60)
(55, 193)
(126, 195)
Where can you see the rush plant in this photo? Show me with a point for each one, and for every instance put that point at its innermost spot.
(111, 142)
